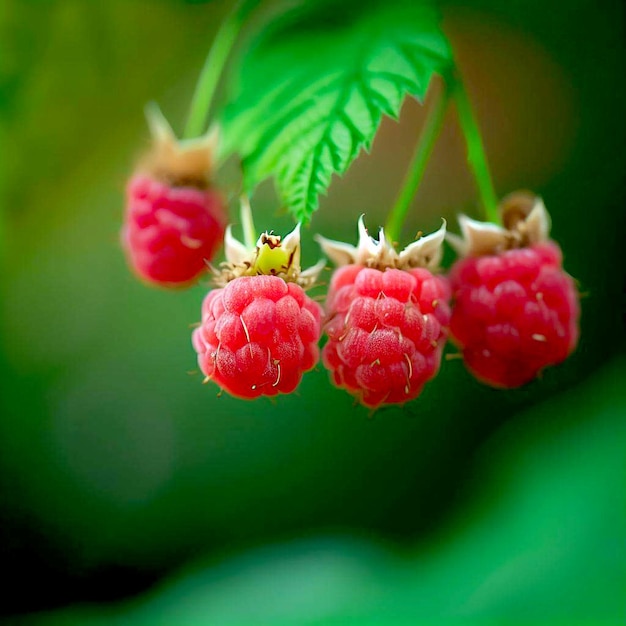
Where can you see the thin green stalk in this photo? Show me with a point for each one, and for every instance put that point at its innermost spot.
(476, 157)
(247, 223)
(3, 215)
(211, 71)
(428, 137)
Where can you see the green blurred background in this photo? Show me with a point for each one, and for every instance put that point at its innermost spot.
(121, 475)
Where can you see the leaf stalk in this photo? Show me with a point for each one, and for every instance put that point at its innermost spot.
(247, 223)
(430, 132)
(476, 157)
(212, 70)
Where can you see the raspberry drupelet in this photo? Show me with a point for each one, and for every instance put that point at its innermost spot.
(387, 317)
(259, 330)
(174, 220)
(516, 311)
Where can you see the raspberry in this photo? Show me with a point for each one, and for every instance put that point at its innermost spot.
(386, 331)
(174, 220)
(515, 310)
(171, 232)
(386, 320)
(259, 331)
(514, 313)
(258, 336)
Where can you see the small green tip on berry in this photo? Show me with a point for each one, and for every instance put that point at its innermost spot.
(272, 255)
(272, 258)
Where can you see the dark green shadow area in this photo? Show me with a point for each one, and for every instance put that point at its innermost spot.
(542, 543)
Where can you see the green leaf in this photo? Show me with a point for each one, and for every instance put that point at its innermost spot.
(312, 90)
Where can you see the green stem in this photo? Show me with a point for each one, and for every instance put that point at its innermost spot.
(430, 132)
(247, 223)
(211, 72)
(476, 157)
(3, 218)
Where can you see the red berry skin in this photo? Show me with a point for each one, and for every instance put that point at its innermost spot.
(171, 232)
(386, 331)
(514, 313)
(258, 336)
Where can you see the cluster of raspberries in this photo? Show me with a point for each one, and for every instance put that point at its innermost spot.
(507, 303)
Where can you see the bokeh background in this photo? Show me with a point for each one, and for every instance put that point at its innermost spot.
(130, 493)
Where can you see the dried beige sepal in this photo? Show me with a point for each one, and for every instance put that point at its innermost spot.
(186, 162)
(526, 222)
(380, 254)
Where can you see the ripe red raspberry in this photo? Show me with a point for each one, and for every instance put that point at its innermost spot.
(387, 323)
(171, 232)
(259, 331)
(258, 336)
(515, 310)
(386, 331)
(174, 220)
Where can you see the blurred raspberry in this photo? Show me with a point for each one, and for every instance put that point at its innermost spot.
(174, 220)
(171, 232)
(515, 310)
(514, 313)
